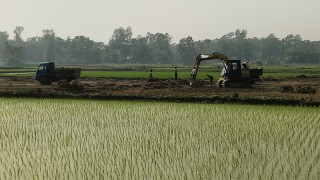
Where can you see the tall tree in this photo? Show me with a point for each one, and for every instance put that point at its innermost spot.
(120, 44)
(305, 52)
(186, 50)
(60, 47)
(140, 51)
(83, 50)
(226, 45)
(17, 33)
(272, 49)
(35, 48)
(160, 47)
(243, 47)
(15, 52)
(289, 43)
(3, 39)
(236, 45)
(49, 38)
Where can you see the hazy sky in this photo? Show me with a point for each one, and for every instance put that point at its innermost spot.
(200, 19)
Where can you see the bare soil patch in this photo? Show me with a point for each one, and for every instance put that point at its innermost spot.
(288, 91)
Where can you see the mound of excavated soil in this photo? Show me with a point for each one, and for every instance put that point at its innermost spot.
(267, 91)
(300, 89)
(153, 83)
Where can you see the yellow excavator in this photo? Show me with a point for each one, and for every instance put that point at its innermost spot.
(234, 73)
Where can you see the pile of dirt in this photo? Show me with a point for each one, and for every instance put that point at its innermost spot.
(306, 90)
(299, 89)
(304, 76)
(153, 83)
(72, 86)
(276, 91)
(269, 79)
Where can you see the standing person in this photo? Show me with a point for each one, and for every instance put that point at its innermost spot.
(150, 75)
(193, 73)
(176, 73)
(210, 78)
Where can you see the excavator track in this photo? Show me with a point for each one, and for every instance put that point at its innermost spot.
(219, 83)
(241, 83)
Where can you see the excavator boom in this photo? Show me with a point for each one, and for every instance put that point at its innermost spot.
(203, 57)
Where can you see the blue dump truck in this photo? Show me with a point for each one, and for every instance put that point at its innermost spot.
(47, 73)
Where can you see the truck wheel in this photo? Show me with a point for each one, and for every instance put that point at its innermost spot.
(63, 83)
(43, 81)
(49, 81)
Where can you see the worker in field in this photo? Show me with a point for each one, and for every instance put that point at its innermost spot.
(210, 78)
(150, 74)
(175, 73)
(193, 73)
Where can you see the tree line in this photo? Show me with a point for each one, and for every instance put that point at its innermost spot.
(156, 48)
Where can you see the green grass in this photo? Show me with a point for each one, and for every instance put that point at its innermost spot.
(18, 72)
(288, 74)
(82, 139)
(181, 75)
(144, 74)
(168, 72)
(293, 69)
(282, 71)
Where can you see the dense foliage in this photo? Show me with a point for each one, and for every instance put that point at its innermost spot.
(154, 49)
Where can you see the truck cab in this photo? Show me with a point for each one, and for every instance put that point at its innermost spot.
(44, 71)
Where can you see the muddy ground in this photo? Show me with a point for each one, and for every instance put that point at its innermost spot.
(301, 90)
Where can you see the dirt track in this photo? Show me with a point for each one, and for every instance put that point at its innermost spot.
(295, 91)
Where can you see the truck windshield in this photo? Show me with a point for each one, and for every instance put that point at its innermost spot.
(42, 67)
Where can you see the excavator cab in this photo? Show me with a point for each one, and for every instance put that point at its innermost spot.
(232, 69)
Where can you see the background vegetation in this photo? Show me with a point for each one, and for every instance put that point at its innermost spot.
(156, 48)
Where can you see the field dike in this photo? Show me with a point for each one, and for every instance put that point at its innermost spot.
(280, 91)
(232, 99)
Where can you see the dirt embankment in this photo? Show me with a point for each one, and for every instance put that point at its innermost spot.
(284, 91)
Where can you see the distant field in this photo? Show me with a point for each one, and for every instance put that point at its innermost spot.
(291, 71)
(86, 139)
(144, 74)
(165, 72)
